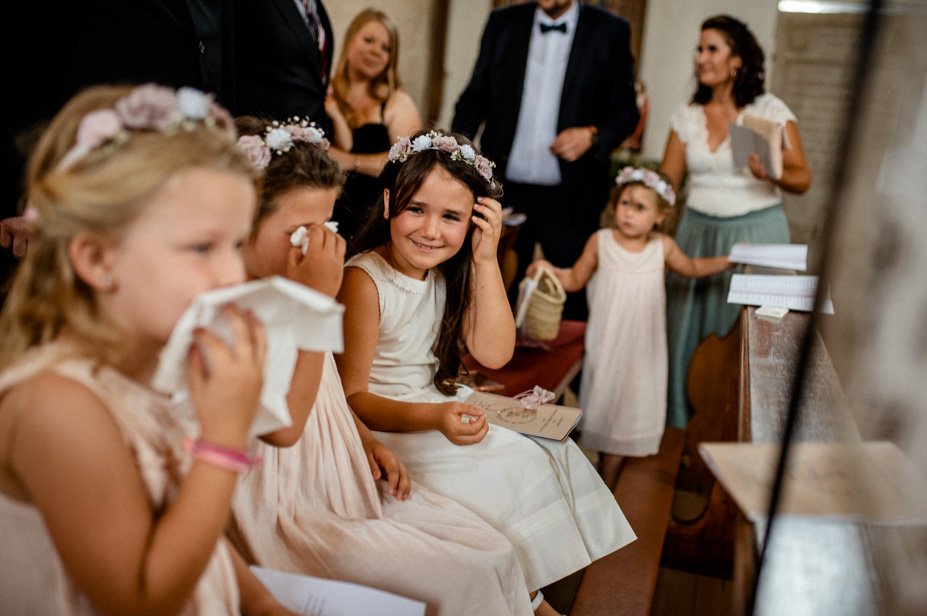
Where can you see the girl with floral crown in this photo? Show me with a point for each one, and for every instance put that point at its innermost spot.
(326, 476)
(140, 202)
(422, 279)
(623, 387)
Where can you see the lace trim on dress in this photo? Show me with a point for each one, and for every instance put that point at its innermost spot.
(375, 265)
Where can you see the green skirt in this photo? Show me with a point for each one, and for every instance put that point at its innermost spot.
(697, 308)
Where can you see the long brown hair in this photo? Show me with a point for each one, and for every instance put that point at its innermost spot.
(748, 83)
(403, 180)
(384, 84)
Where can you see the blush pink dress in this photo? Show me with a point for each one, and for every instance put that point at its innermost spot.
(33, 579)
(315, 509)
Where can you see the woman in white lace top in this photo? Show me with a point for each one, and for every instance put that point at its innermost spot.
(724, 204)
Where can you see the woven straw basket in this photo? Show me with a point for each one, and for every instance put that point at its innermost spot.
(546, 306)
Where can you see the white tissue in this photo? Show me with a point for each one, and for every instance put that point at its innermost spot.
(300, 238)
(294, 317)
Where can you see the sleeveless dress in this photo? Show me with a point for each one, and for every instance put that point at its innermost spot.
(33, 579)
(315, 509)
(543, 495)
(623, 390)
(361, 191)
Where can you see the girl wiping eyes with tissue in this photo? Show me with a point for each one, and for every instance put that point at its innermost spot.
(329, 499)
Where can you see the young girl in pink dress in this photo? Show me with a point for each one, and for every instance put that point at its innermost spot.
(315, 506)
(422, 279)
(623, 386)
(140, 201)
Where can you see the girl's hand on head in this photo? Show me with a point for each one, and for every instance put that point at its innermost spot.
(226, 380)
(385, 465)
(462, 423)
(488, 229)
(322, 267)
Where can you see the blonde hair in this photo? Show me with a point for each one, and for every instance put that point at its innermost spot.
(384, 84)
(99, 195)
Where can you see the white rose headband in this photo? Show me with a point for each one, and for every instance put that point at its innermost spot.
(650, 179)
(403, 149)
(279, 138)
(149, 107)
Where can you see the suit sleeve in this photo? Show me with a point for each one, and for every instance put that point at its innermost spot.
(473, 105)
(622, 115)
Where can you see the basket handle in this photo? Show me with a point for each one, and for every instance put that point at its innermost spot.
(544, 270)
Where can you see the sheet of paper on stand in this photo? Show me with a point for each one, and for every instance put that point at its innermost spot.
(546, 421)
(312, 596)
(792, 292)
(781, 256)
(871, 481)
(294, 317)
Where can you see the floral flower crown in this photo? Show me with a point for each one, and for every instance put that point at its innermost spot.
(279, 138)
(434, 140)
(650, 179)
(149, 107)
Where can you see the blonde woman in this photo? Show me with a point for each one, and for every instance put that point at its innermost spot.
(369, 111)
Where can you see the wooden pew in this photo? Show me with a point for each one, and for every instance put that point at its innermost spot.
(552, 366)
(622, 583)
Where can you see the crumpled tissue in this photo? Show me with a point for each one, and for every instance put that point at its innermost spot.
(295, 318)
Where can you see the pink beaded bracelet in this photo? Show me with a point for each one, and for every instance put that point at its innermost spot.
(228, 459)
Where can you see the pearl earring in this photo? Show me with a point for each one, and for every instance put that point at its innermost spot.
(106, 280)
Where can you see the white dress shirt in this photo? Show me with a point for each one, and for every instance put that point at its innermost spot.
(531, 161)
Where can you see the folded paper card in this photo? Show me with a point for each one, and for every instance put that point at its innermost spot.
(547, 421)
(294, 317)
(762, 137)
(312, 596)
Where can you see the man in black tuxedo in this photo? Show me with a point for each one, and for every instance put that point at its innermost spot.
(553, 88)
(284, 56)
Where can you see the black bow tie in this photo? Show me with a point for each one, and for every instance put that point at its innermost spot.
(558, 27)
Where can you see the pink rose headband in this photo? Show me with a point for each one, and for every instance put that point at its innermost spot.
(279, 138)
(149, 107)
(650, 179)
(434, 140)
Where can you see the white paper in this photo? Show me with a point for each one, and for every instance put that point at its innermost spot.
(792, 292)
(782, 256)
(311, 596)
(524, 299)
(294, 317)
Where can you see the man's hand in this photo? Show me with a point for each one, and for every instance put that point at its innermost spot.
(572, 143)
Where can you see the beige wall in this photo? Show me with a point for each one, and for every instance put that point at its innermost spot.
(668, 53)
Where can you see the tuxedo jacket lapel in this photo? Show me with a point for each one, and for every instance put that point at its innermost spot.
(575, 64)
(297, 26)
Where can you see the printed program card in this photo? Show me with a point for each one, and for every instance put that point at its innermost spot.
(312, 596)
(548, 421)
(781, 256)
(792, 292)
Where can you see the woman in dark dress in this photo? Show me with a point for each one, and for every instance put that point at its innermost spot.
(369, 111)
